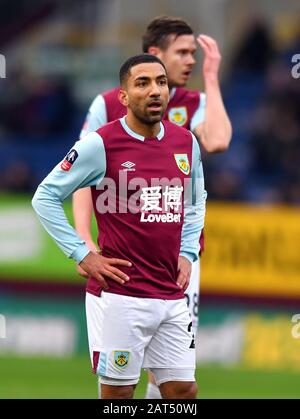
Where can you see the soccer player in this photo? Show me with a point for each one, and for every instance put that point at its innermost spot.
(172, 40)
(148, 194)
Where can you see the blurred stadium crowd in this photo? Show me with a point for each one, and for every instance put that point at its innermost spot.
(41, 113)
(263, 101)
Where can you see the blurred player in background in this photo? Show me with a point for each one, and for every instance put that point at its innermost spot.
(173, 41)
(137, 317)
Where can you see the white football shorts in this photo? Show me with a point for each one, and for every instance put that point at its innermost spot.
(128, 333)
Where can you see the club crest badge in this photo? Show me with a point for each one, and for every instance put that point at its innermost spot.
(121, 359)
(178, 116)
(182, 162)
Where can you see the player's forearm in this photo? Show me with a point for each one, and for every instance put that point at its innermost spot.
(82, 211)
(215, 133)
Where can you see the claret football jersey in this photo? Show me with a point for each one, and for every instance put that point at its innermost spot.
(149, 202)
(186, 108)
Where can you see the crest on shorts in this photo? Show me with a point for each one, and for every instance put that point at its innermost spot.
(178, 115)
(182, 162)
(121, 358)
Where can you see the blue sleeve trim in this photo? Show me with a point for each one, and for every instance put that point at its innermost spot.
(80, 253)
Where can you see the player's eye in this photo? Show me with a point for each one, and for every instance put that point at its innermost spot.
(141, 84)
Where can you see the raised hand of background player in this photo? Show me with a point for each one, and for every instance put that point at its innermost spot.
(212, 56)
(184, 268)
(97, 266)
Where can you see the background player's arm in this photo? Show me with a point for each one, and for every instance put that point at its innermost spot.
(215, 131)
(194, 214)
(87, 169)
(82, 200)
(83, 212)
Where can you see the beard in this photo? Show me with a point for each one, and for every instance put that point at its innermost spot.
(148, 117)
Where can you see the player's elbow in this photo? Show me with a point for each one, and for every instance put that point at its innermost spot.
(219, 142)
(219, 147)
(215, 146)
(35, 201)
(216, 139)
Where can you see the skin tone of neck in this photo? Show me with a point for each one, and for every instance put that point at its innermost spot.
(141, 128)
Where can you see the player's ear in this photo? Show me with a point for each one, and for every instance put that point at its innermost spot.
(123, 97)
(154, 50)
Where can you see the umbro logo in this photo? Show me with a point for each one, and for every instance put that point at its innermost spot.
(128, 166)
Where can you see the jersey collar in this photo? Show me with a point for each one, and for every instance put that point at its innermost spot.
(172, 92)
(138, 136)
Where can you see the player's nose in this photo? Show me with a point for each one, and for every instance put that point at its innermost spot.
(155, 91)
(191, 60)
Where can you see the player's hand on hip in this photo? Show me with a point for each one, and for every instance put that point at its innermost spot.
(212, 55)
(93, 248)
(184, 272)
(81, 271)
(99, 266)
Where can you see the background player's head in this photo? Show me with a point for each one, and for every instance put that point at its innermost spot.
(144, 88)
(173, 41)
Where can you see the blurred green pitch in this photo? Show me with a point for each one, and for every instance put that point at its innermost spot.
(71, 378)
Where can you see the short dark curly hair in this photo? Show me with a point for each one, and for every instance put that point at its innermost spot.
(135, 60)
(159, 30)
